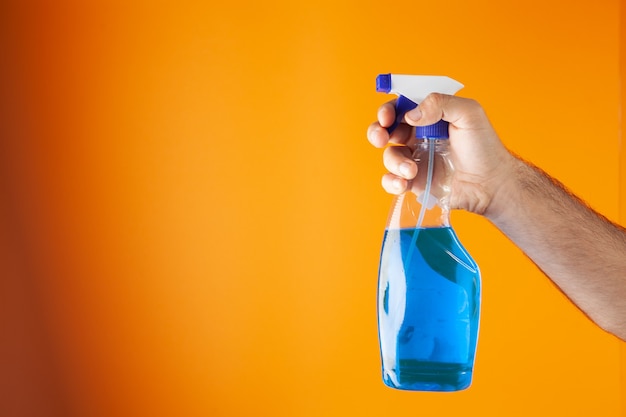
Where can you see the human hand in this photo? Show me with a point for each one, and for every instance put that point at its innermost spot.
(482, 165)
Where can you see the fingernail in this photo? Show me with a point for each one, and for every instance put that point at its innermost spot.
(405, 169)
(414, 115)
(397, 183)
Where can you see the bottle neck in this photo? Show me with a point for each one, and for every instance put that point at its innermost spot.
(441, 145)
(433, 182)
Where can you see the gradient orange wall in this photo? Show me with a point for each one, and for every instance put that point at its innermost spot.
(191, 214)
(622, 149)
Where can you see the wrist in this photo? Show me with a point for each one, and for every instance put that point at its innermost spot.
(507, 189)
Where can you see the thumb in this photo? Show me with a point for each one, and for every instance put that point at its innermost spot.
(462, 113)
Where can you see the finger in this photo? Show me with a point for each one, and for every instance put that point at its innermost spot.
(398, 161)
(402, 134)
(393, 184)
(377, 135)
(387, 117)
(387, 113)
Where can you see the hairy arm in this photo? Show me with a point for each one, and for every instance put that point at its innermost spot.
(580, 250)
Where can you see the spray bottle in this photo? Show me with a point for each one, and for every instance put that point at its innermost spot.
(428, 285)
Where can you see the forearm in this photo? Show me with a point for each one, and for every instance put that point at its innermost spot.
(581, 251)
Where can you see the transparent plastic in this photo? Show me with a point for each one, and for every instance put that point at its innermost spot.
(428, 285)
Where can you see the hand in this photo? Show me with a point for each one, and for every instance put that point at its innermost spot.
(482, 164)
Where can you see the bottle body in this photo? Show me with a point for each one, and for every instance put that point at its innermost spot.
(428, 288)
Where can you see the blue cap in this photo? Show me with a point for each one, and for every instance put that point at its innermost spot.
(438, 130)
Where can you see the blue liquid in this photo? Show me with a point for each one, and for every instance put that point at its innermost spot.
(428, 310)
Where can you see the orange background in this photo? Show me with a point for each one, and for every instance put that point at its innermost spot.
(191, 215)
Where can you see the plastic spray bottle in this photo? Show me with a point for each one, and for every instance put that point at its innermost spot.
(428, 285)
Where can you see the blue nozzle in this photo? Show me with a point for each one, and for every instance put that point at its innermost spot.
(383, 83)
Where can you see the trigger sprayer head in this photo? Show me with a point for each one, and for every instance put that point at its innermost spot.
(411, 90)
